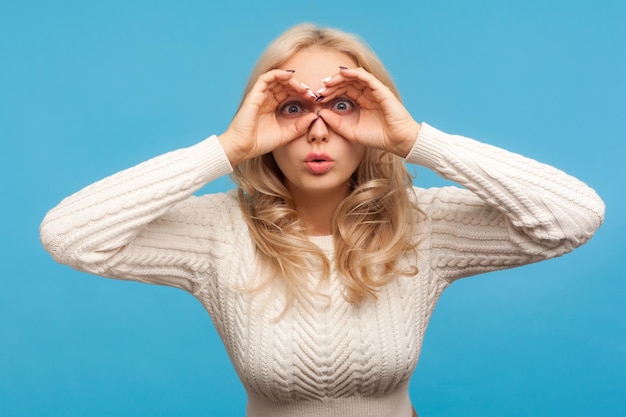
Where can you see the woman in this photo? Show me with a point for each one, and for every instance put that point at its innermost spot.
(321, 270)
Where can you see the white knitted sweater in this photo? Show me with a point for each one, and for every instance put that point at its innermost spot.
(321, 359)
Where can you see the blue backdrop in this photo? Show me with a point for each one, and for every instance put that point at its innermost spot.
(89, 88)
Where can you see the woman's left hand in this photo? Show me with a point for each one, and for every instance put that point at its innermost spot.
(384, 123)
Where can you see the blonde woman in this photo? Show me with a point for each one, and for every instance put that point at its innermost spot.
(321, 270)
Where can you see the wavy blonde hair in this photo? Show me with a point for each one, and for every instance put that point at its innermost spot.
(372, 228)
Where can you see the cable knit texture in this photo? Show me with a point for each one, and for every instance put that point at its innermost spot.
(324, 356)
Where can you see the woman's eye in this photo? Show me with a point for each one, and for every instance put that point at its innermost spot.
(291, 109)
(342, 105)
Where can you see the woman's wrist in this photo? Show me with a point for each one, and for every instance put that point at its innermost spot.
(410, 138)
(233, 152)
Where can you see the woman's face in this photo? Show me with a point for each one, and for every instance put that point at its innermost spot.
(321, 161)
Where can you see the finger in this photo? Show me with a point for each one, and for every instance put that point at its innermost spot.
(362, 79)
(277, 74)
(271, 79)
(333, 80)
(336, 123)
(361, 97)
(296, 129)
(327, 93)
(334, 86)
(258, 94)
(303, 123)
(346, 74)
(272, 88)
(283, 89)
(282, 92)
(302, 89)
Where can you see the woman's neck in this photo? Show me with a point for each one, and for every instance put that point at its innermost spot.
(317, 210)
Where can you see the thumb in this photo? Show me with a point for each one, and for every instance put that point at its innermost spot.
(336, 123)
(302, 124)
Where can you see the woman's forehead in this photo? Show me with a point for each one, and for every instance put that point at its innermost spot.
(314, 64)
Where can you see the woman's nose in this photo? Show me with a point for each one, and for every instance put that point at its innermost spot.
(318, 131)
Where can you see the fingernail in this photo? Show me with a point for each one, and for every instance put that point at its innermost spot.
(292, 71)
(308, 90)
(327, 79)
(321, 90)
(342, 67)
(320, 98)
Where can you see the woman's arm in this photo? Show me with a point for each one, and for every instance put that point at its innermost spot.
(513, 211)
(143, 223)
(94, 229)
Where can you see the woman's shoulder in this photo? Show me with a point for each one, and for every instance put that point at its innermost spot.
(222, 200)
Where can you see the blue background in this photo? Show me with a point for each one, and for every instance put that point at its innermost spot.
(89, 88)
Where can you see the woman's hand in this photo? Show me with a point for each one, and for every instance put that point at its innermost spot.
(384, 123)
(255, 130)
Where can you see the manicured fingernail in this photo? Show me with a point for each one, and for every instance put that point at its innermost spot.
(292, 71)
(327, 79)
(321, 90)
(342, 67)
(320, 98)
(308, 90)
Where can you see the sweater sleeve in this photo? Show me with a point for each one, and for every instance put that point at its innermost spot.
(96, 229)
(511, 211)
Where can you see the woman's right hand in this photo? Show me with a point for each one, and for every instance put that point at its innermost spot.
(255, 129)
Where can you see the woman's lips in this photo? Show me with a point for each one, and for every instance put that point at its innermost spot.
(318, 163)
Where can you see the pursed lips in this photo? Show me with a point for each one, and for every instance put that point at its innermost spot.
(318, 157)
(318, 163)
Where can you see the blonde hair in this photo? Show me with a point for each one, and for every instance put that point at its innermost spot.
(372, 228)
